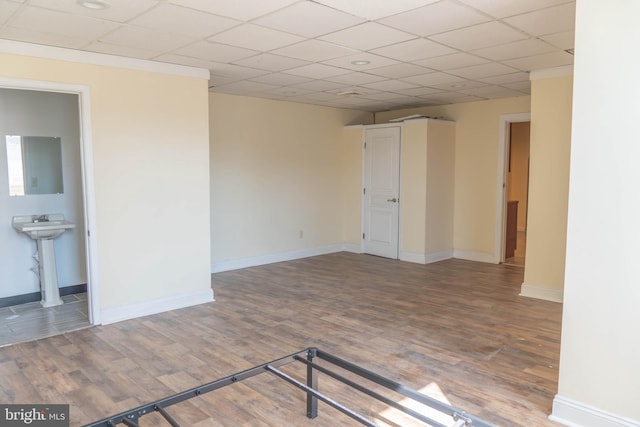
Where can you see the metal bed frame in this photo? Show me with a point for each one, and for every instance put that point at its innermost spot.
(306, 356)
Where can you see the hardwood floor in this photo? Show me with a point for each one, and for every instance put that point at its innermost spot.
(456, 328)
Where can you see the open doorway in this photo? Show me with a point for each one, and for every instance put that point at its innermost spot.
(517, 193)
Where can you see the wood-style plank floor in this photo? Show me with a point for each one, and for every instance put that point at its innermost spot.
(457, 329)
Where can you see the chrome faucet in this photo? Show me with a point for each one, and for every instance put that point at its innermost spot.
(40, 218)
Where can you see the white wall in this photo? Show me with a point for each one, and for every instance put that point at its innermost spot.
(599, 381)
(32, 113)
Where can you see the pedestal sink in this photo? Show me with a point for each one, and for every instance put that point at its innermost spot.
(43, 229)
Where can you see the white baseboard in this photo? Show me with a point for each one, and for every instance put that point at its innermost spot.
(542, 292)
(154, 306)
(425, 258)
(475, 256)
(236, 264)
(575, 414)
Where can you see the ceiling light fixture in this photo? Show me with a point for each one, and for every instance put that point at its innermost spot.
(360, 62)
(93, 4)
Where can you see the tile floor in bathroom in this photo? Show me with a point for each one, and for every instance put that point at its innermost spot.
(31, 321)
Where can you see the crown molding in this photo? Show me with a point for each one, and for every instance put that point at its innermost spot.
(73, 55)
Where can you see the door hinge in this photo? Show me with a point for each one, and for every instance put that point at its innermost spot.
(364, 190)
(365, 145)
(363, 235)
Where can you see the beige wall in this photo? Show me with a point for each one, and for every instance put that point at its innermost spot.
(476, 169)
(150, 157)
(413, 195)
(277, 169)
(548, 187)
(518, 175)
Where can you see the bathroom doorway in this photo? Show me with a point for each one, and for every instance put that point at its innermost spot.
(60, 113)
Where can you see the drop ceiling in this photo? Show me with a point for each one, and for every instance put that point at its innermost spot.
(371, 55)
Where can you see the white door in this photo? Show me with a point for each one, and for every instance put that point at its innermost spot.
(381, 191)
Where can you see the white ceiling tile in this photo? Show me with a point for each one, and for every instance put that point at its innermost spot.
(132, 52)
(317, 71)
(142, 38)
(413, 50)
(281, 79)
(436, 18)
(321, 96)
(564, 40)
(356, 78)
(390, 85)
(375, 61)
(251, 36)
(314, 50)
(248, 86)
(268, 61)
(242, 10)
(319, 86)
(524, 86)
(118, 10)
(479, 36)
(7, 9)
(61, 24)
(216, 52)
(29, 36)
(398, 71)
(188, 22)
(462, 84)
(482, 70)
(504, 8)
(290, 91)
(453, 98)
(361, 90)
(506, 78)
(367, 36)
(186, 60)
(540, 62)
(387, 96)
(449, 62)
(433, 79)
(235, 71)
(514, 50)
(419, 91)
(308, 19)
(546, 21)
(375, 9)
(490, 92)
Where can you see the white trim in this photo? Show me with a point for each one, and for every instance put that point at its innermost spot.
(575, 414)
(236, 264)
(548, 73)
(154, 306)
(425, 258)
(501, 184)
(475, 256)
(88, 186)
(541, 292)
(72, 55)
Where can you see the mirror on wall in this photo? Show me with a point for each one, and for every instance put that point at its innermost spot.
(34, 165)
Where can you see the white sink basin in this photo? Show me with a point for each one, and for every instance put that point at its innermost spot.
(54, 227)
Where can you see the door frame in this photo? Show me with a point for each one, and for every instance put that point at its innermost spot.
(87, 178)
(501, 189)
(363, 182)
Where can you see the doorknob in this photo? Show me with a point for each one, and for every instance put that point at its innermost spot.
(394, 200)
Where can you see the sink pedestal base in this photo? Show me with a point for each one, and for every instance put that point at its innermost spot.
(48, 274)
